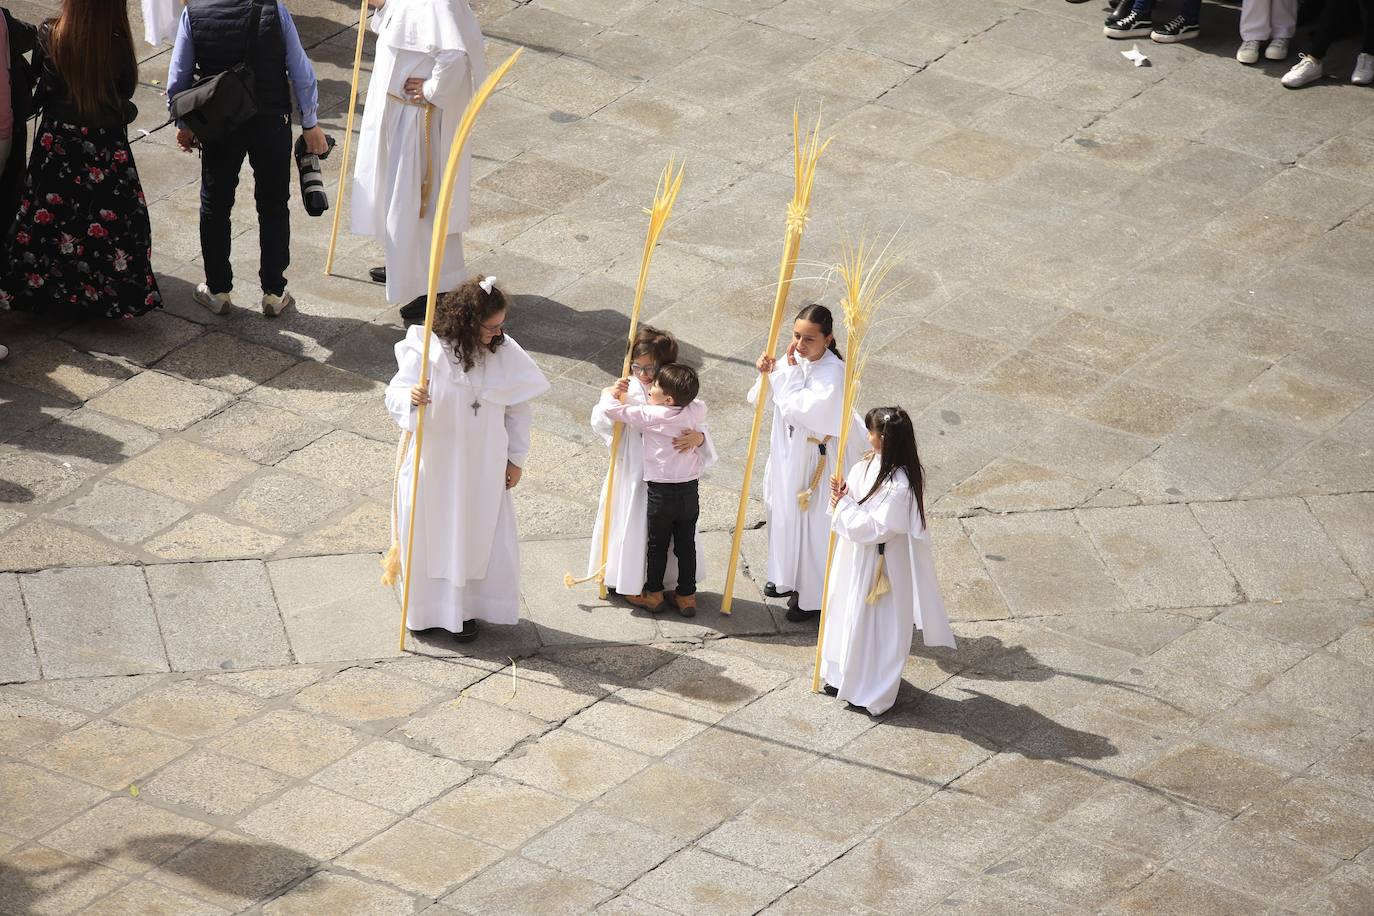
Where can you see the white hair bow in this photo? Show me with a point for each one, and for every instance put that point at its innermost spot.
(487, 284)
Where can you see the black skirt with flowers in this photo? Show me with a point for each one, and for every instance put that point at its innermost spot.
(82, 241)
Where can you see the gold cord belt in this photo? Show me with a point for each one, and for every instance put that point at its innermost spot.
(804, 497)
(429, 153)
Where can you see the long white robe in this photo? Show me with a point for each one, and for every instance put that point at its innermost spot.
(627, 556)
(808, 399)
(866, 645)
(466, 560)
(160, 19)
(441, 42)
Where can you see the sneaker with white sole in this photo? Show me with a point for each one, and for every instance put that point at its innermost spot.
(1132, 25)
(1249, 52)
(273, 305)
(1306, 71)
(1278, 49)
(1364, 70)
(4, 351)
(218, 303)
(1180, 28)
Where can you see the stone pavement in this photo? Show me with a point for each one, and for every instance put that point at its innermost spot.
(1137, 340)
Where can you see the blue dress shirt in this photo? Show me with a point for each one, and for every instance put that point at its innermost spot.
(182, 73)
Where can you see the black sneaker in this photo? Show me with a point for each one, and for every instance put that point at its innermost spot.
(1176, 29)
(468, 633)
(1132, 25)
(1119, 10)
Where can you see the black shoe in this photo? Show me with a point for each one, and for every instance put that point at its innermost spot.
(468, 633)
(834, 691)
(413, 312)
(772, 591)
(1119, 10)
(1132, 25)
(378, 274)
(796, 614)
(1177, 29)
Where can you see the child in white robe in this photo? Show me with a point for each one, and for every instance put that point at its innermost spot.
(882, 581)
(466, 561)
(807, 389)
(626, 559)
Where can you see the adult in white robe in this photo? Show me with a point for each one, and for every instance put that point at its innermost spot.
(867, 643)
(808, 401)
(466, 560)
(404, 142)
(160, 19)
(627, 555)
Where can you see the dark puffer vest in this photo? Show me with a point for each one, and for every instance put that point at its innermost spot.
(219, 33)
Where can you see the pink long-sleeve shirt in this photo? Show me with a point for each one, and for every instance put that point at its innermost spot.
(660, 426)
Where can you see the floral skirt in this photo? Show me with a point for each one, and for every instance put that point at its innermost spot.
(81, 241)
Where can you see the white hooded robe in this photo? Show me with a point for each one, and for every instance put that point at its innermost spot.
(627, 556)
(808, 399)
(866, 645)
(160, 18)
(441, 42)
(466, 560)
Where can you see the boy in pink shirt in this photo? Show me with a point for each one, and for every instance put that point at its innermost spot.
(671, 477)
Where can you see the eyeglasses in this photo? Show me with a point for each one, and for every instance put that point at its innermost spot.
(649, 370)
(494, 328)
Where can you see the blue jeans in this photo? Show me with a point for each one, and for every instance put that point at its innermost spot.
(1190, 9)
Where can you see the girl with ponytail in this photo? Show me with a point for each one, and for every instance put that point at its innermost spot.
(882, 580)
(807, 388)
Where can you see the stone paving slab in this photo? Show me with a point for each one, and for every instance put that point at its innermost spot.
(1148, 487)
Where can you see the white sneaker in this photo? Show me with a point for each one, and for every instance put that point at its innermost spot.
(1307, 70)
(1364, 70)
(216, 302)
(1249, 51)
(1278, 49)
(4, 351)
(273, 305)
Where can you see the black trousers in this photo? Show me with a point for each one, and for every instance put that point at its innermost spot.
(266, 142)
(1335, 22)
(673, 511)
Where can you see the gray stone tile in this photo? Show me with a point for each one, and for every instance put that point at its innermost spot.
(1327, 684)
(18, 659)
(697, 882)
(217, 785)
(1160, 556)
(106, 754)
(287, 503)
(225, 362)
(53, 887)
(188, 709)
(572, 765)
(1318, 814)
(420, 858)
(519, 886)
(287, 741)
(125, 631)
(1277, 549)
(1229, 656)
(320, 823)
(334, 608)
(263, 433)
(362, 695)
(120, 512)
(472, 730)
(1175, 892)
(497, 811)
(1084, 875)
(218, 615)
(1046, 564)
(601, 848)
(335, 893)
(36, 801)
(203, 537)
(183, 470)
(160, 401)
(1210, 776)
(1253, 859)
(231, 870)
(127, 835)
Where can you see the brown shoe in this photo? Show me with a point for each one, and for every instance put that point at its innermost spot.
(686, 604)
(650, 601)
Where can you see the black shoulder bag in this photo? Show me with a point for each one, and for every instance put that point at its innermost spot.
(218, 105)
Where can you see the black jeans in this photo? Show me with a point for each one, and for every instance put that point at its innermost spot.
(1335, 22)
(673, 511)
(266, 142)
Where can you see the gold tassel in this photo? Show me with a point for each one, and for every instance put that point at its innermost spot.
(391, 565)
(881, 584)
(598, 576)
(804, 497)
(391, 560)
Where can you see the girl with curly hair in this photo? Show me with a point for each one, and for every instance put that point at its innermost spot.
(466, 558)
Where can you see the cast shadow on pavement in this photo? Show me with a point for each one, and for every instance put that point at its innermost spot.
(218, 868)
